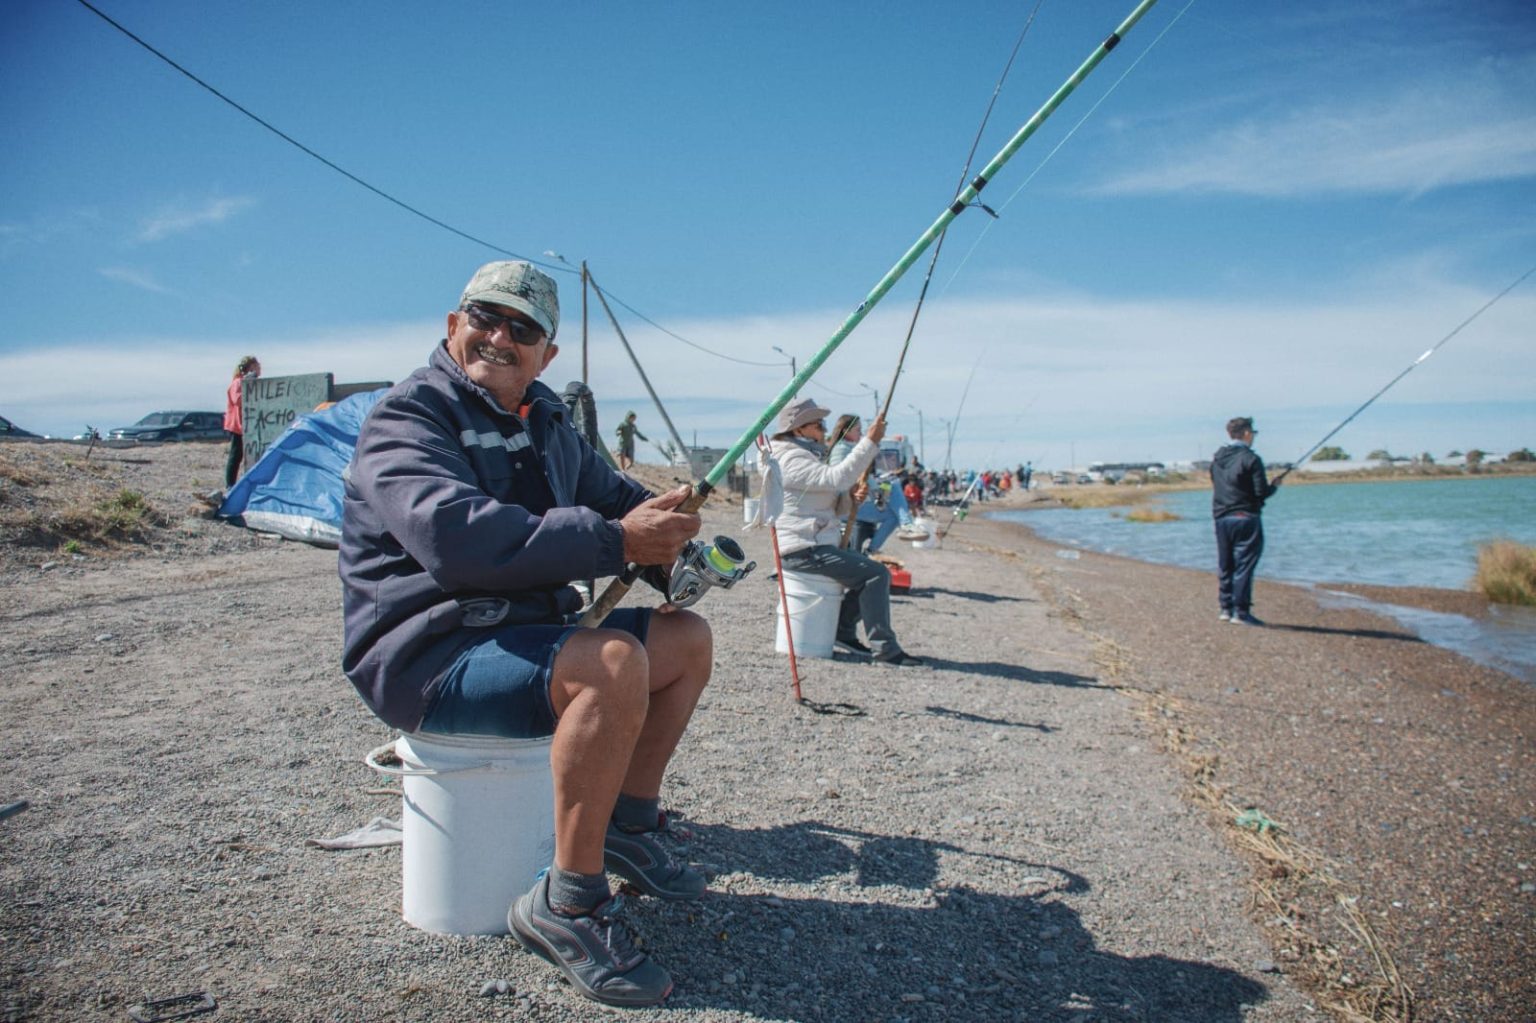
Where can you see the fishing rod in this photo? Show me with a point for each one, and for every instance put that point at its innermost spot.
(620, 586)
(933, 262)
(1391, 383)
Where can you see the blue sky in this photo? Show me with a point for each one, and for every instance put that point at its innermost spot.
(1278, 209)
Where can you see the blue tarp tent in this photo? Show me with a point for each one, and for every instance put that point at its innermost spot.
(294, 489)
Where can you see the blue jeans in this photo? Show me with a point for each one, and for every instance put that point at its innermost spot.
(1239, 543)
(499, 684)
(895, 513)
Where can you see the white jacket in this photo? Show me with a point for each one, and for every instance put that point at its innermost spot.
(806, 499)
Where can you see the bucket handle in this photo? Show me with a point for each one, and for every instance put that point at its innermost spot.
(372, 760)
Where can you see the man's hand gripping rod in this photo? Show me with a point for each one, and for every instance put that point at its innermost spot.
(610, 597)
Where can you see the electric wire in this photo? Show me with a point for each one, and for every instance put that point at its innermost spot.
(1065, 138)
(1411, 367)
(402, 204)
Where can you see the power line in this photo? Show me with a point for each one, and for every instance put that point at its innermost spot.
(390, 198)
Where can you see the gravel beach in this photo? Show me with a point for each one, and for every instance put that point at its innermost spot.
(1037, 825)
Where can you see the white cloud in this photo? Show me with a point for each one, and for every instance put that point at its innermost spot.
(1420, 139)
(179, 218)
(1062, 376)
(137, 278)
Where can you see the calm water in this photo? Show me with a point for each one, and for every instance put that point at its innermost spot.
(1389, 534)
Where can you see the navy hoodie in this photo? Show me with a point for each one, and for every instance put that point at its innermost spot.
(1238, 483)
(440, 532)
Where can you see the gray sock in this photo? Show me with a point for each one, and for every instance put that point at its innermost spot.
(635, 814)
(573, 894)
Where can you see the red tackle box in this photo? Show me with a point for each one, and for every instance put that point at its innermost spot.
(901, 580)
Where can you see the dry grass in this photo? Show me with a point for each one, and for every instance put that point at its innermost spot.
(1105, 496)
(1151, 515)
(1506, 573)
(69, 504)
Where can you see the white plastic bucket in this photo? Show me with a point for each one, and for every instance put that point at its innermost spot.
(478, 824)
(749, 509)
(813, 605)
(926, 523)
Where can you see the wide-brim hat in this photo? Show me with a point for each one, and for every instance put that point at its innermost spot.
(798, 413)
(517, 285)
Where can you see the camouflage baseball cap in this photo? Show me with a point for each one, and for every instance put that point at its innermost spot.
(517, 285)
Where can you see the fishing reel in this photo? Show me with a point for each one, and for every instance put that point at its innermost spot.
(700, 567)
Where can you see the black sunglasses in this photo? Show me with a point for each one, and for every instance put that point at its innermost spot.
(520, 331)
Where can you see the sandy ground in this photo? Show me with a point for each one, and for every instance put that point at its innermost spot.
(1028, 829)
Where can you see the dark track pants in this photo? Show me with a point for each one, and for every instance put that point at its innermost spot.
(1239, 542)
(232, 463)
(868, 596)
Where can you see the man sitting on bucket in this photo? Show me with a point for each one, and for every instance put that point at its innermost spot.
(470, 506)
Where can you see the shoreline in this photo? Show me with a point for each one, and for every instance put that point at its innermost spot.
(1406, 766)
(1060, 774)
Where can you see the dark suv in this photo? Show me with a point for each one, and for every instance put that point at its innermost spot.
(161, 426)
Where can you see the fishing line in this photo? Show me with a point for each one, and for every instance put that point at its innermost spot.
(620, 585)
(1411, 367)
(1055, 149)
(933, 262)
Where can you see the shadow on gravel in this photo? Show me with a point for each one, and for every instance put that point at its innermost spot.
(930, 952)
(1406, 637)
(961, 715)
(1017, 673)
(928, 592)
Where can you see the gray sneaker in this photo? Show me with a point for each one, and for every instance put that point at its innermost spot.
(596, 953)
(639, 858)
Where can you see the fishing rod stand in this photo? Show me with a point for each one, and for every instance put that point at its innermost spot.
(700, 568)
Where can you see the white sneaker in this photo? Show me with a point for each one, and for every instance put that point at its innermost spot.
(1225, 616)
(916, 534)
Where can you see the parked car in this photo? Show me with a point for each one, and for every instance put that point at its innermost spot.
(10, 429)
(165, 426)
(1083, 477)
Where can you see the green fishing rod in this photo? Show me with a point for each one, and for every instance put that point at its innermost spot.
(620, 586)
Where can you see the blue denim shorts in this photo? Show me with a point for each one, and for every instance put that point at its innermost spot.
(499, 685)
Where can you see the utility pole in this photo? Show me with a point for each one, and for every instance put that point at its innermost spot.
(793, 372)
(876, 393)
(584, 321)
(920, 455)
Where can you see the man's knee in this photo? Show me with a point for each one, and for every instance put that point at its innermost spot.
(608, 662)
(688, 634)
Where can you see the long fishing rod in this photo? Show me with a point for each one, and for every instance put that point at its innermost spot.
(933, 262)
(620, 586)
(1391, 383)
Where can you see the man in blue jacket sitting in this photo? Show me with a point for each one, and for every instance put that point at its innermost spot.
(470, 507)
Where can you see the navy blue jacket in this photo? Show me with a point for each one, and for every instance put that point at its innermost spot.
(433, 523)
(1238, 483)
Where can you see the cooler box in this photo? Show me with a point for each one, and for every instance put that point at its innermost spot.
(901, 580)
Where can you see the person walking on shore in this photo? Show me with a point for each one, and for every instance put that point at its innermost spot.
(471, 505)
(628, 431)
(1239, 489)
(234, 416)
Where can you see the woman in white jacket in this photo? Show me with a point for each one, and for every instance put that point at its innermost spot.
(816, 500)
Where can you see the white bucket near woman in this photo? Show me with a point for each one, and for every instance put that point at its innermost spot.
(477, 826)
(813, 602)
